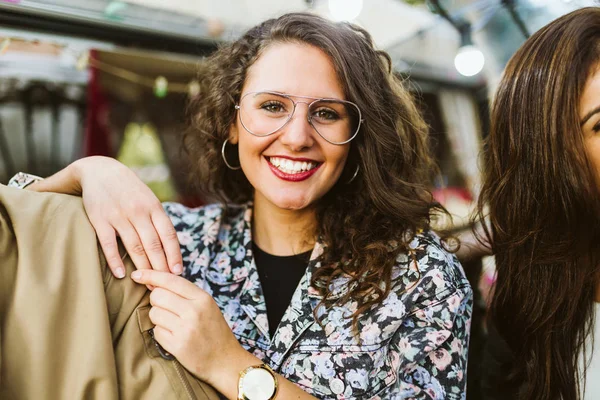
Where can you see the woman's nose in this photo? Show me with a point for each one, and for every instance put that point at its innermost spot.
(298, 133)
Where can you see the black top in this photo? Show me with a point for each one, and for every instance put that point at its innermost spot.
(279, 277)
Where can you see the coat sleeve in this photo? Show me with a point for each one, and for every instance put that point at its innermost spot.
(429, 350)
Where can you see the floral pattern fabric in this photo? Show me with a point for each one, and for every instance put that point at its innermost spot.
(413, 345)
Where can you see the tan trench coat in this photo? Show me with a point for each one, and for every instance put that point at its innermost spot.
(68, 329)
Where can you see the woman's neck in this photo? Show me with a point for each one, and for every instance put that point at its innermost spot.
(282, 232)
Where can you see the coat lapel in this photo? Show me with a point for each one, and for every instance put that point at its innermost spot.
(233, 278)
(299, 315)
(252, 299)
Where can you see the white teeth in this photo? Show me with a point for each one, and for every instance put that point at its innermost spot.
(291, 167)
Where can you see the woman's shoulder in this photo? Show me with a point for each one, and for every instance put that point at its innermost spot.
(432, 267)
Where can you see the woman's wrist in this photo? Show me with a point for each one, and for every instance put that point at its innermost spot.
(225, 379)
(67, 181)
(74, 176)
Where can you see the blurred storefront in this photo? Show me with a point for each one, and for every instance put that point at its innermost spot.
(113, 78)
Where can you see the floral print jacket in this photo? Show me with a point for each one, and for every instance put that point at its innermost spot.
(412, 346)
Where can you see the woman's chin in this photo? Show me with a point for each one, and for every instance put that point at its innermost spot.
(292, 204)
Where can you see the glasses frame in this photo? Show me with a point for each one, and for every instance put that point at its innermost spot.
(308, 116)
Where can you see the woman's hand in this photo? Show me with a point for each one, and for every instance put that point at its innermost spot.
(190, 326)
(118, 203)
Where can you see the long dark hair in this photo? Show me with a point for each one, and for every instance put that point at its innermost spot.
(388, 200)
(541, 195)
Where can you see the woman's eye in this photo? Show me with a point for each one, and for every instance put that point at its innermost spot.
(272, 107)
(596, 128)
(327, 115)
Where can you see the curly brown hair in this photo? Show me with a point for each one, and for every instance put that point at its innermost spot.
(366, 224)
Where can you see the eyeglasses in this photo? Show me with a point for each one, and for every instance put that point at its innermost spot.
(264, 113)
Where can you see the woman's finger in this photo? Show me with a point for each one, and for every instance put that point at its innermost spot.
(170, 242)
(132, 244)
(153, 247)
(107, 238)
(167, 300)
(164, 337)
(164, 318)
(173, 283)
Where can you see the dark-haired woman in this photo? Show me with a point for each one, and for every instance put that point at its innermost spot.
(542, 190)
(324, 270)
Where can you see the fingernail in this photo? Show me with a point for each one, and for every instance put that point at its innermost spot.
(177, 269)
(136, 275)
(120, 272)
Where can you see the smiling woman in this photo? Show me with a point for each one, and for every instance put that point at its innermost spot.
(318, 270)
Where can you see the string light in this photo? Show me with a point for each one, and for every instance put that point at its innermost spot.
(194, 88)
(83, 61)
(161, 86)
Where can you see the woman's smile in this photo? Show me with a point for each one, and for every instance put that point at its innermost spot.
(292, 169)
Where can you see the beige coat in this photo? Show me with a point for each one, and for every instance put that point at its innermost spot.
(68, 329)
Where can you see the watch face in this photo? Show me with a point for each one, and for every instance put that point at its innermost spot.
(258, 384)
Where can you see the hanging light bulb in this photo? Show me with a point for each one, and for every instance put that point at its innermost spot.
(469, 60)
(345, 10)
(193, 88)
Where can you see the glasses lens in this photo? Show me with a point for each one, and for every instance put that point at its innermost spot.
(337, 121)
(264, 113)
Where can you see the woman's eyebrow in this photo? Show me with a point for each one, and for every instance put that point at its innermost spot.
(589, 115)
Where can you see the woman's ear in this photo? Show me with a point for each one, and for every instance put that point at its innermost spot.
(233, 134)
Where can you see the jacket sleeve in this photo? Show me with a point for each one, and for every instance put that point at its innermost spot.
(430, 350)
(22, 180)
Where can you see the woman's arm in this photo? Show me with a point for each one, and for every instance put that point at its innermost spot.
(118, 203)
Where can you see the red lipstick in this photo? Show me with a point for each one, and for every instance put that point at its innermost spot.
(300, 176)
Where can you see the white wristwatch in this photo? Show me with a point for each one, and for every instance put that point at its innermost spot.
(257, 382)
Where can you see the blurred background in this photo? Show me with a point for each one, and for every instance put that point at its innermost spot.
(100, 77)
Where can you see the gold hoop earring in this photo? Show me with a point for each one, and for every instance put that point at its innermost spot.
(354, 176)
(225, 158)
